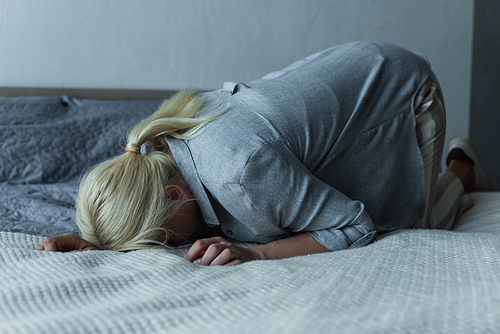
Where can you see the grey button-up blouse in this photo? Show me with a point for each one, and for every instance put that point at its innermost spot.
(326, 146)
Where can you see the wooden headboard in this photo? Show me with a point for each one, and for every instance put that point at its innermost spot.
(98, 94)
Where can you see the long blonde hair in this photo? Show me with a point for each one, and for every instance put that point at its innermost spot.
(121, 204)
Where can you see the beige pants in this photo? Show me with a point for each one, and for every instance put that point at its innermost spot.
(446, 198)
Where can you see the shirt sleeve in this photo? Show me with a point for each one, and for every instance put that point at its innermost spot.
(277, 189)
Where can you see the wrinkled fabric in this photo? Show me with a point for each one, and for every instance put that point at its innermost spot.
(326, 146)
(46, 145)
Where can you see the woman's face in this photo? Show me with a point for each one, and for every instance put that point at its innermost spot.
(188, 218)
(186, 221)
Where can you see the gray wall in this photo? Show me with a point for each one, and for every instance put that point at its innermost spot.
(485, 97)
(174, 44)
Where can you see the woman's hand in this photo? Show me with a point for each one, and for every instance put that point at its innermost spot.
(66, 243)
(218, 251)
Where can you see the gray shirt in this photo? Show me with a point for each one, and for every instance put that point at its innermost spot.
(326, 146)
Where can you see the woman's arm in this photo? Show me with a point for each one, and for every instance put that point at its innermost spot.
(302, 244)
(218, 251)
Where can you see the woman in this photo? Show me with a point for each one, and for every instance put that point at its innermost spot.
(317, 157)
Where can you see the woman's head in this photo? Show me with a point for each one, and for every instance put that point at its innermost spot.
(121, 203)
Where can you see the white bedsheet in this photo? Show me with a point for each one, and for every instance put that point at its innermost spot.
(412, 281)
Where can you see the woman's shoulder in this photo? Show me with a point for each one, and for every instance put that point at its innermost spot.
(227, 162)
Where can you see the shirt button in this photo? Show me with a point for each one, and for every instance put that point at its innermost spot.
(229, 232)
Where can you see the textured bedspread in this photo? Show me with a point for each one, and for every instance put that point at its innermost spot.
(413, 281)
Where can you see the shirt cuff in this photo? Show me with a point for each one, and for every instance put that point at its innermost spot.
(359, 233)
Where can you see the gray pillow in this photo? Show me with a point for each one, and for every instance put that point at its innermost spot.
(55, 139)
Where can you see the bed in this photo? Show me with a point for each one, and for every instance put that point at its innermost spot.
(408, 281)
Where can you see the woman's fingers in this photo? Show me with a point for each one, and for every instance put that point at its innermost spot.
(199, 248)
(65, 243)
(216, 254)
(228, 256)
(218, 251)
(53, 244)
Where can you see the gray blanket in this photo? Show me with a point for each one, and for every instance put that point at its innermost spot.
(46, 144)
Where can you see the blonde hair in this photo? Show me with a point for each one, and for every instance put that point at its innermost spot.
(121, 204)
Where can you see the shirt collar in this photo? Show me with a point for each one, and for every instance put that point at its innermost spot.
(184, 159)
